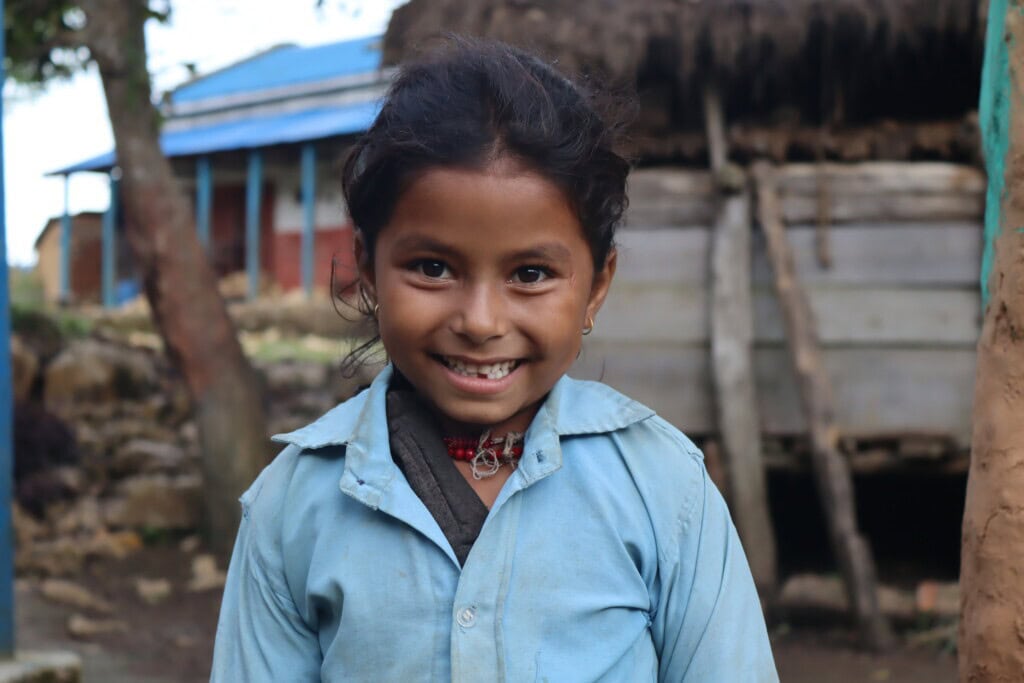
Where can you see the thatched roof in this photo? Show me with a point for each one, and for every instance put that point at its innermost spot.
(808, 62)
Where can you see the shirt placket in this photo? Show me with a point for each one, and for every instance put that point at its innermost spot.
(477, 643)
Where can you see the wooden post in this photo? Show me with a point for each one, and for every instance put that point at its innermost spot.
(831, 473)
(732, 340)
(714, 128)
(732, 361)
(823, 222)
(991, 631)
(254, 183)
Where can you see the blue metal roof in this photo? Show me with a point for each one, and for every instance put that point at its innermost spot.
(284, 66)
(278, 68)
(291, 127)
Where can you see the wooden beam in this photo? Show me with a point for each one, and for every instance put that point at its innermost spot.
(852, 208)
(832, 475)
(882, 255)
(906, 317)
(858, 193)
(885, 177)
(669, 197)
(877, 389)
(865, 256)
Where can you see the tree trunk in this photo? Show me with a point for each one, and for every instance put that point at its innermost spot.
(991, 638)
(179, 283)
(831, 472)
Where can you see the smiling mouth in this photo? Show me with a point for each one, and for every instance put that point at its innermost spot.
(486, 371)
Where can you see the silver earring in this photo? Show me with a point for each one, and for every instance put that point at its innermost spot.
(589, 327)
(376, 310)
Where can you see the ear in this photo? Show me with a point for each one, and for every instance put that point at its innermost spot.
(602, 281)
(364, 266)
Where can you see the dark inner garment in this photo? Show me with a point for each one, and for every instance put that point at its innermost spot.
(418, 448)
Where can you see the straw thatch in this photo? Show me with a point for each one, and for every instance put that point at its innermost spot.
(799, 62)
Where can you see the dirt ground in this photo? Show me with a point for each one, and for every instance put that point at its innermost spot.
(172, 642)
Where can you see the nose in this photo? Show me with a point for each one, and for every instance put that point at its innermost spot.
(482, 314)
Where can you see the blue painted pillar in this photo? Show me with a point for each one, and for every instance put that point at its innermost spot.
(109, 242)
(308, 215)
(6, 417)
(254, 184)
(204, 199)
(65, 243)
(994, 120)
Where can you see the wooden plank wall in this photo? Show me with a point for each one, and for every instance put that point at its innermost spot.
(898, 311)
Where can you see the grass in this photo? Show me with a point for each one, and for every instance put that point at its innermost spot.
(31, 314)
(270, 346)
(26, 288)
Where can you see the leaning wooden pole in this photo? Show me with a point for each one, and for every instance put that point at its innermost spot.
(732, 357)
(991, 638)
(831, 473)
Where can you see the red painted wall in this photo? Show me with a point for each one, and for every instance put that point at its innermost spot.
(280, 252)
(227, 233)
(334, 243)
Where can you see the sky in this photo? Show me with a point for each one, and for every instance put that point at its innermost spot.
(66, 122)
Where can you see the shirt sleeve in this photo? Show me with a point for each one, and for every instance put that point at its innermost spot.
(260, 634)
(708, 624)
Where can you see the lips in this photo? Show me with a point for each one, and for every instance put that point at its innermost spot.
(494, 371)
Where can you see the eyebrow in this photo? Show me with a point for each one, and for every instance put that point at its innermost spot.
(550, 251)
(547, 251)
(422, 243)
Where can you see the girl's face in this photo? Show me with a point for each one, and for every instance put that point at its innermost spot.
(484, 281)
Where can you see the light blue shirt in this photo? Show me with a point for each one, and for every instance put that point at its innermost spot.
(607, 556)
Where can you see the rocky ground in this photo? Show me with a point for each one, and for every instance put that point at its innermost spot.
(108, 484)
(170, 640)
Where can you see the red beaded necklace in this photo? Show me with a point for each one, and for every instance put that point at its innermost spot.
(486, 454)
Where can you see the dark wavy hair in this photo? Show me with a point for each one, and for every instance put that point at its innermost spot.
(474, 102)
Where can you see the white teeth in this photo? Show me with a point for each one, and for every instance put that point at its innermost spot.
(491, 371)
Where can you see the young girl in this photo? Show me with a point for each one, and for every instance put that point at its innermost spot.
(476, 515)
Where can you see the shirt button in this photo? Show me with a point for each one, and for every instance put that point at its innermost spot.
(466, 617)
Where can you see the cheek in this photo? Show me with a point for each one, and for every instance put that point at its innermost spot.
(407, 313)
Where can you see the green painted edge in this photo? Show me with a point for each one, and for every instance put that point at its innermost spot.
(994, 118)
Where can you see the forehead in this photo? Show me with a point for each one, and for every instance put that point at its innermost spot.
(500, 206)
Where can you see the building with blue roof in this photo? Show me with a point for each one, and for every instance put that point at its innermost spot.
(256, 144)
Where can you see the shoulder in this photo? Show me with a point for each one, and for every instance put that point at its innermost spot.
(664, 465)
(581, 407)
(667, 468)
(307, 470)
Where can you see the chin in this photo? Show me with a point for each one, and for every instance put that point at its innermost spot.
(479, 416)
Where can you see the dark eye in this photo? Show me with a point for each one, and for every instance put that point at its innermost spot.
(530, 275)
(435, 270)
